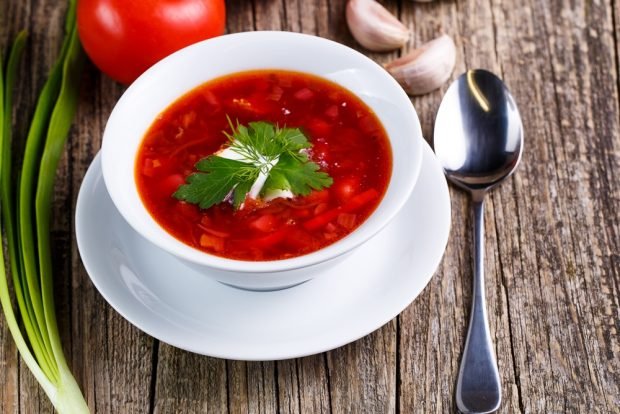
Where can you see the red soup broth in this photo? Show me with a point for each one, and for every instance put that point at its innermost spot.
(349, 143)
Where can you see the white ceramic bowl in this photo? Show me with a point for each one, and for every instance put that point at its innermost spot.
(188, 68)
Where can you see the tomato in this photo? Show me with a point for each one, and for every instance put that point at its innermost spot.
(171, 183)
(345, 188)
(264, 223)
(124, 38)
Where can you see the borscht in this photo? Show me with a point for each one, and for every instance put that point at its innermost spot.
(263, 165)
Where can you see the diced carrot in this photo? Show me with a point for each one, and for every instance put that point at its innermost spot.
(368, 125)
(347, 220)
(304, 94)
(319, 128)
(147, 168)
(360, 200)
(320, 208)
(265, 242)
(301, 213)
(334, 96)
(330, 228)
(214, 232)
(150, 167)
(265, 223)
(274, 207)
(251, 105)
(210, 98)
(251, 204)
(332, 112)
(285, 81)
(331, 232)
(187, 210)
(213, 242)
(346, 187)
(188, 118)
(241, 103)
(352, 205)
(300, 239)
(275, 94)
(318, 196)
(321, 220)
(206, 220)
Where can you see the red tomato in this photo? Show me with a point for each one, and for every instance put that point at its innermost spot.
(264, 223)
(171, 183)
(124, 38)
(345, 188)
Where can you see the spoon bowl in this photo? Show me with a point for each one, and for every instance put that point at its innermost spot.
(478, 131)
(479, 142)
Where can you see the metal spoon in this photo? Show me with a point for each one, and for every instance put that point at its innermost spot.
(478, 140)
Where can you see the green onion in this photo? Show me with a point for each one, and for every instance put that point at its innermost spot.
(26, 217)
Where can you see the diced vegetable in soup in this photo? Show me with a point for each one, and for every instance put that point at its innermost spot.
(264, 165)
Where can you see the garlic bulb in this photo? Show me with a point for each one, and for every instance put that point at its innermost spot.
(426, 68)
(374, 27)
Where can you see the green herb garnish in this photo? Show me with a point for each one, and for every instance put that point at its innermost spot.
(218, 178)
(267, 158)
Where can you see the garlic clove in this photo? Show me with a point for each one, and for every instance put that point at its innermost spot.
(426, 68)
(374, 27)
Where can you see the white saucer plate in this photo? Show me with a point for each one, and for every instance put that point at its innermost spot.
(186, 309)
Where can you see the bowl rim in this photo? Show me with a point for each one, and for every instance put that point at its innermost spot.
(346, 244)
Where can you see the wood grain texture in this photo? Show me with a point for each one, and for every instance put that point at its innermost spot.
(553, 235)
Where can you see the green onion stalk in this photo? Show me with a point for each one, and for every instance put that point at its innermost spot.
(25, 210)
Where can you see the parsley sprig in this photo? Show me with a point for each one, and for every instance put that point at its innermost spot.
(262, 150)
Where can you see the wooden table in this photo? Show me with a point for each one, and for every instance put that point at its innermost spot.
(553, 232)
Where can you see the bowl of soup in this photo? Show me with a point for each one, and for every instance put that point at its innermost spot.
(261, 157)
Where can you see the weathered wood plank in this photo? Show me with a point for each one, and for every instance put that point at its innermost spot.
(199, 383)
(112, 360)
(9, 380)
(362, 375)
(304, 385)
(553, 269)
(432, 329)
(252, 387)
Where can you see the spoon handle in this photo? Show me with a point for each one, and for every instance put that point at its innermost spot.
(478, 389)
